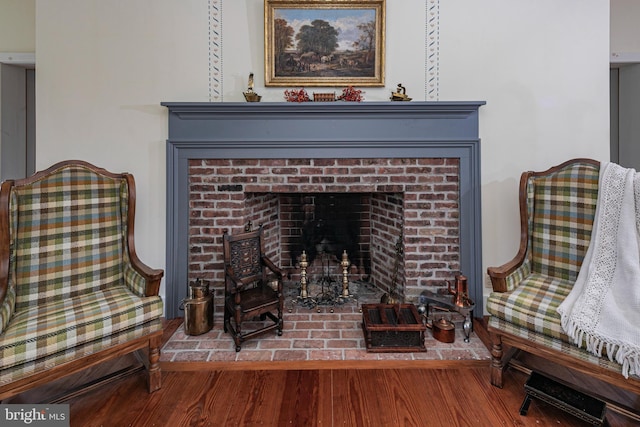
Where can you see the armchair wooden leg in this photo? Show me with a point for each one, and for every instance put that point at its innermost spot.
(155, 374)
(497, 365)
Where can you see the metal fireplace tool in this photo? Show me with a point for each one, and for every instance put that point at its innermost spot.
(330, 293)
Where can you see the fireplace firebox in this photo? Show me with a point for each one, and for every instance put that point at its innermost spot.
(365, 178)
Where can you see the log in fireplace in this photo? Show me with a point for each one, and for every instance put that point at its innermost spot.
(230, 163)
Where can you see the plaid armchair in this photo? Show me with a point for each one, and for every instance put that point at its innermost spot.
(557, 210)
(72, 289)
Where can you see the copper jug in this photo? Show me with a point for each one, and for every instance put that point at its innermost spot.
(198, 309)
(461, 293)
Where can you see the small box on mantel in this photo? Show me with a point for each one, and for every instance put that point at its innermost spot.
(392, 328)
(324, 97)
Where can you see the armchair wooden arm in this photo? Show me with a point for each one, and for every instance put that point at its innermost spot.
(271, 266)
(498, 275)
(4, 241)
(152, 276)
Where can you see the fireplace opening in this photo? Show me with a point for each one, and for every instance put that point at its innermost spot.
(331, 224)
(326, 225)
(366, 227)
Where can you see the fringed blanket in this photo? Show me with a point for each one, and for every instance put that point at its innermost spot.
(603, 309)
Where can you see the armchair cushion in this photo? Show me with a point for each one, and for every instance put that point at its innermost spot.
(67, 357)
(532, 305)
(61, 324)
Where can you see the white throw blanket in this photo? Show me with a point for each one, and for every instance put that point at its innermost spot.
(603, 308)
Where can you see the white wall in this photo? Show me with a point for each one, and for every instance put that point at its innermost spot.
(104, 67)
(17, 26)
(543, 69)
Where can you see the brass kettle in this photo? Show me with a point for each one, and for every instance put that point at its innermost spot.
(461, 292)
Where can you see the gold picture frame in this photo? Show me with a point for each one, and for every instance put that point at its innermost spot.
(324, 43)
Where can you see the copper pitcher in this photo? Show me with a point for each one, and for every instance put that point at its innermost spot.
(461, 293)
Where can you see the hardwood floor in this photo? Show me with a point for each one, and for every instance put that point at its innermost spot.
(362, 397)
(444, 395)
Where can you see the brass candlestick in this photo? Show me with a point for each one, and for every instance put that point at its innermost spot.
(303, 275)
(345, 279)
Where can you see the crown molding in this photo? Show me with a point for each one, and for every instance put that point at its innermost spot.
(27, 59)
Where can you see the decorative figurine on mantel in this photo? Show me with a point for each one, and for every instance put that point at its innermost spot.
(250, 95)
(400, 94)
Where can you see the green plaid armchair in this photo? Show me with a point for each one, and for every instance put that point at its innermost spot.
(557, 209)
(73, 292)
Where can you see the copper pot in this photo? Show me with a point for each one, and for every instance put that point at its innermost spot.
(444, 330)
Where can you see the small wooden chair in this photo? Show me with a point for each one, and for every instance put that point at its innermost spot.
(253, 286)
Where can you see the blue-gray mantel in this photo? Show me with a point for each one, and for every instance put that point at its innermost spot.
(320, 130)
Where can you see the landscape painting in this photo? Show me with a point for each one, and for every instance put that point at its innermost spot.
(324, 43)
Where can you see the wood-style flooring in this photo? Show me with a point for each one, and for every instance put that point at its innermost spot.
(370, 397)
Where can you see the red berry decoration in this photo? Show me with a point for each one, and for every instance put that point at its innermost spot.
(351, 94)
(296, 95)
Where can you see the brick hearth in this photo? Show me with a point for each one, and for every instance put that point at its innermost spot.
(332, 334)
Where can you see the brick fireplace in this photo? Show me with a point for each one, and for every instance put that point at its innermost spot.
(358, 177)
(361, 206)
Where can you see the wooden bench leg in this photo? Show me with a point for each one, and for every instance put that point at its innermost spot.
(497, 365)
(155, 375)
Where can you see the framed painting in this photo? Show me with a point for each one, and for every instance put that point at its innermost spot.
(324, 43)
